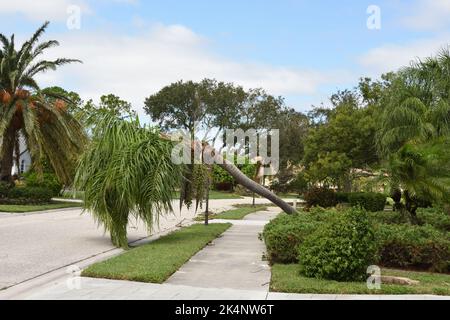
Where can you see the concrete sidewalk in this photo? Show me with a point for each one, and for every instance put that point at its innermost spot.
(233, 261)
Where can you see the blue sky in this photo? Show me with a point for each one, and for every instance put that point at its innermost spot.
(303, 50)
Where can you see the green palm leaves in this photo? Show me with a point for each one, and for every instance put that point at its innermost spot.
(414, 131)
(127, 172)
(41, 118)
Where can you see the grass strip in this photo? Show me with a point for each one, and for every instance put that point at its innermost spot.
(12, 208)
(157, 261)
(286, 278)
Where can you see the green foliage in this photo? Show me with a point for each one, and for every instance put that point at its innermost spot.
(299, 184)
(435, 217)
(414, 130)
(341, 138)
(341, 250)
(284, 234)
(369, 201)
(418, 247)
(4, 188)
(321, 197)
(343, 197)
(127, 170)
(47, 181)
(49, 130)
(28, 195)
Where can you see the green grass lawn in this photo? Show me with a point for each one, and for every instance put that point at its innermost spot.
(31, 208)
(234, 214)
(285, 278)
(157, 261)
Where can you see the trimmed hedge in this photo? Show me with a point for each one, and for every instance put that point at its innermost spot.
(342, 197)
(283, 234)
(28, 195)
(321, 197)
(370, 201)
(341, 249)
(417, 247)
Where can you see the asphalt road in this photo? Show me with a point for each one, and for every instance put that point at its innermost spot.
(35, 244)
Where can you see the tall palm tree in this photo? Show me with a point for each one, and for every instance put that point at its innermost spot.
(414, 125)
(37, 115)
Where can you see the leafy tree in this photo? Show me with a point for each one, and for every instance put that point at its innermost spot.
(342, 140)
(49, 130)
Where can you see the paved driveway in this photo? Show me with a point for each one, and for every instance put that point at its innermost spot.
(35, 244)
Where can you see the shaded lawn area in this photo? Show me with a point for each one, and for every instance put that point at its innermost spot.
(216, 195)
(286, 278)
(234, 214)
(31, 208)
(157, 261)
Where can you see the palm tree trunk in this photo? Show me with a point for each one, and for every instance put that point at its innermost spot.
(248, 183)
(7, 155)
(240, 177)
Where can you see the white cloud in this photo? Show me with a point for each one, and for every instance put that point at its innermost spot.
(391, 57)
(42, 9)
(134, 67)
(429, 15)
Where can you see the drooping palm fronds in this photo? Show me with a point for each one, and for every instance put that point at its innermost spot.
(49, 131)
(415, 130)
(127, 172)
(418, 107)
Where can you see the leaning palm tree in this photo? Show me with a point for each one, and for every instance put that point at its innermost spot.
(37, 115)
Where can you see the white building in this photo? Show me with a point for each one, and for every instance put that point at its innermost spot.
(24, 158)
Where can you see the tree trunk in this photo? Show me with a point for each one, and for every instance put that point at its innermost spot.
(207, 204)
(411, 207)
(240, 177)
(7, 154)
(248, 183)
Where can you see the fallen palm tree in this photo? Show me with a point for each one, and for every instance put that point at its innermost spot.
(128, 170)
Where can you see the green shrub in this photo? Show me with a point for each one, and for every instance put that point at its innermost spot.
(4, 188)
(435, 217)
(389, 217)
(283, 235)
(30, 195)
(321, 197)
(341, 249)
(48, 181)
(418, 247)
(342, 197)
(299, 184)
(368, 200)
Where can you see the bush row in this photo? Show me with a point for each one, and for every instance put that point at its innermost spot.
(24, 195)
(326, 243)
(327, 198)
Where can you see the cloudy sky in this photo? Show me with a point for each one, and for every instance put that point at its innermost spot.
(303, 50)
